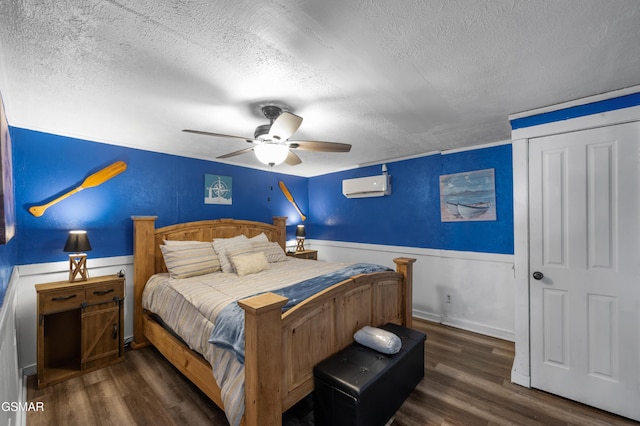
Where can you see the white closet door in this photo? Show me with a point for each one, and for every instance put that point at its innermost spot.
(585, 263)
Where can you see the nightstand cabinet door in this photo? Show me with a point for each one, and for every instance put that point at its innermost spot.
(100, 334)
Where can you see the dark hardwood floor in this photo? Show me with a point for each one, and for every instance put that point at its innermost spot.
(466, 383)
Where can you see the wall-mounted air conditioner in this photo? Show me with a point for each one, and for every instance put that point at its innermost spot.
(371, 186)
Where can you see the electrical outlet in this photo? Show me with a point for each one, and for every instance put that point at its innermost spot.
(448, 298)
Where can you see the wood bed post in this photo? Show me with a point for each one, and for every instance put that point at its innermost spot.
(404, 265)
(263, 359)
(280, 223)
(143, 268)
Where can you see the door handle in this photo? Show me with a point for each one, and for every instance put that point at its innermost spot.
(537, 275)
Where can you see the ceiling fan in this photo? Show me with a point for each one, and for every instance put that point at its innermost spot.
(271, 143)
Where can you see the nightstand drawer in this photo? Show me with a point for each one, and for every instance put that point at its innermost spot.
(61, 300)
(104, 292)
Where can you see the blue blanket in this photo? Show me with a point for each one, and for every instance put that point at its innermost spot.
(228, 332)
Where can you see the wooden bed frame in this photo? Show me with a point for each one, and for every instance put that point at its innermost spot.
(280, 349)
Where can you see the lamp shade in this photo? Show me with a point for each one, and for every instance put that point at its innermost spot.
(77, 242)
(271, 153)
(300, 232)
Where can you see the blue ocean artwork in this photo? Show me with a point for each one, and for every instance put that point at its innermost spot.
(468, 196)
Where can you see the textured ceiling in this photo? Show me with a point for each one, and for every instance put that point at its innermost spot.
(392, 78)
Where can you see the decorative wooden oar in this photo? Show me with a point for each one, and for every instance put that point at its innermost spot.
(95, 179)
(287, 194)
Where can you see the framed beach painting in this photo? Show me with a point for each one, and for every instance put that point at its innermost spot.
(468, 196)
(7, 203)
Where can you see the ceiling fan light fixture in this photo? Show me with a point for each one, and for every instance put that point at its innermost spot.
(271, 143)
(271, 154)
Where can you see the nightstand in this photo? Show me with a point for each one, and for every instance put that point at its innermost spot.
(304, 254)
(80, 326)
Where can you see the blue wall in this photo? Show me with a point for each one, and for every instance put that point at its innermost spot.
(171, 188)
(8, 258)
(166, 186)
(410, 216)
(8, 251)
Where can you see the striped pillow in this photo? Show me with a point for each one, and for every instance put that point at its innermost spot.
(190, 260)
(223, 245)
(272, 251)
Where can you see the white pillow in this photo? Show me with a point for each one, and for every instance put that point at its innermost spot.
(262, 237)
(249, 263)
(272, 251)
(378, 339)
(190, 260)
(222, 245)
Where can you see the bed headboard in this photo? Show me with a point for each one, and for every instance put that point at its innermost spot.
(147, 238)
(147, 257)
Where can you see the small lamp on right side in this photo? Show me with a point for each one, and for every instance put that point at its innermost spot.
(300, 234)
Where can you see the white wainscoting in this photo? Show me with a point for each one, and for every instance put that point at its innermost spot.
(480, 286)
(10, 382)
(26, 310)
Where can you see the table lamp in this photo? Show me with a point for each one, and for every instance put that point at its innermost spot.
(300, 234)
(77, 243)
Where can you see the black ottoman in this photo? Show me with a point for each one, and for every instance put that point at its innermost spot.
(359, 386)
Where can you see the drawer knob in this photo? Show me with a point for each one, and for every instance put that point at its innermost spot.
(102, 292)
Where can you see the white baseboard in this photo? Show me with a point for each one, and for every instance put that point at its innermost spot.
(480, 328)
(465, 325)
(427, 316)
(30, 370)
(520, 379)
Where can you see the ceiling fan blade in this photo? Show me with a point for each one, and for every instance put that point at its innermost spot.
(284, 126)
(320, 146)
(218, 135)
(292, 159)
(233, 154)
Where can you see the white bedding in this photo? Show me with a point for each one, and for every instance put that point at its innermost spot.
(189, 306)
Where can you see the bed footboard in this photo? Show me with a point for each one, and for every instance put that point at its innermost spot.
(281, 349)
